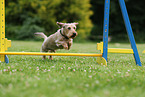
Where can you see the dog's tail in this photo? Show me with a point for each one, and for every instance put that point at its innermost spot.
(41, 34)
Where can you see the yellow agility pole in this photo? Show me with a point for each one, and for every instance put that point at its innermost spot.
(53, 54)
(4, 43)
(2, 29)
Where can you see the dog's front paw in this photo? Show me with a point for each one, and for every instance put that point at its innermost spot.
(58, 45)
(66, 48)
(69, 45)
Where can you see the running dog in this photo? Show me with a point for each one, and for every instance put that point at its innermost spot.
(62, 39)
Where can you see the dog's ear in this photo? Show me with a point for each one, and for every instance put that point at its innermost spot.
(75, 23)
(60, 24)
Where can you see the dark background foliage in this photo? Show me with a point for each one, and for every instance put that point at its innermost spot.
(136, 11)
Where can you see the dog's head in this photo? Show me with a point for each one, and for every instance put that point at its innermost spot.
(69, 29)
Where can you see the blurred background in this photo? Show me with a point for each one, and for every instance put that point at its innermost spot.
(25, 17)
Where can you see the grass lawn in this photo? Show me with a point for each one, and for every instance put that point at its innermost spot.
(30, 76)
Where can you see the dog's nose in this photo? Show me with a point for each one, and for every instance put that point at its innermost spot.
(74, 34)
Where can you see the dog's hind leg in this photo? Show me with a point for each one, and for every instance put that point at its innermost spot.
(44, 56)
(50, 57)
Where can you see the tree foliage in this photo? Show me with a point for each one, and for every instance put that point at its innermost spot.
(25, 17)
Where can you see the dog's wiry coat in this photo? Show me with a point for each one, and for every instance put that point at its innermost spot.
(62, 39)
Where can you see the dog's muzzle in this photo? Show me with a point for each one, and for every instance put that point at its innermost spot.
(74, 35)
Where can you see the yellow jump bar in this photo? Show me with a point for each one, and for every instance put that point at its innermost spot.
(53, 54)
(120, 50)
(114, 50)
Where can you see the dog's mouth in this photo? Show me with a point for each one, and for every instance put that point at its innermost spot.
(74, 35)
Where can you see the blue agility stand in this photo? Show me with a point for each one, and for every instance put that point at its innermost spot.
(6, 59)
(128, 28)
(106, 28)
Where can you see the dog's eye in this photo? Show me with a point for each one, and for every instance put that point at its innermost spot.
(69, 28)
(74, 27)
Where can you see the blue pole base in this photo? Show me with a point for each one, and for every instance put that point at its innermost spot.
(6, 59)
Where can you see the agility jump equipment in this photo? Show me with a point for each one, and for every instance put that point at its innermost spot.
(102, 58)
(114, 50)
(128, 29)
